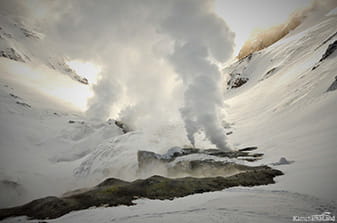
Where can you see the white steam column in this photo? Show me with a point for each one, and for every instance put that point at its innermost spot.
(196, 41)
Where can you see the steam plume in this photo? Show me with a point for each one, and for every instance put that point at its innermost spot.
(158, 58)
(201, 78)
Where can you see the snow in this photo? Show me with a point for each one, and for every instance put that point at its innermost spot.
(233, 205)
(296, 118)
(47, 82)
(21, 42)
(332, 12)
(39, 147)
(288, 113)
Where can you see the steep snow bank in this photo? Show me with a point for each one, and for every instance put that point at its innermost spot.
(289, 112)
(39, 144)
(284, 109)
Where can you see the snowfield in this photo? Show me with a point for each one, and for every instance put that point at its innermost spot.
(285, 109)
(237, 205)
(290, 113)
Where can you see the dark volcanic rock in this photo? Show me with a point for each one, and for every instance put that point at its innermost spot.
(269, 73)
(147, 161)
(248, 149)
(122, 126)
(112, 182)
(83, 80)
(48, 207)
(30, 34)
(333, 86)
(331, 48)
(113, 192)
(23, 104)
(283, 161)
(233, 154)
(11, 53)
(237, 82)
(145, 157)
(229, 133)
(208, 168)
(14, 96)
(212, 175)
(314, 67)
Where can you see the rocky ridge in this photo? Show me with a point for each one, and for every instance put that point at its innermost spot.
(114, 192)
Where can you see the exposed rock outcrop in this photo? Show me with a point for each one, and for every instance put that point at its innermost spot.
(11, 53)
(196, 176)
(113, 192)
(236, 81)
(187, 166)
(283, 161)
(328, 52)
(333, 86)
(331, 48)
(122, 126)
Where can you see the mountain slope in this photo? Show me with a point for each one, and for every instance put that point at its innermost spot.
(20, 42)
(42, 140)
(287, 108)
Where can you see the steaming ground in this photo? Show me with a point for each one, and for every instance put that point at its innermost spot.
(159, 59)
(287, 112)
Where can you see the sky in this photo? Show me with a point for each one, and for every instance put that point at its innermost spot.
(245, 16)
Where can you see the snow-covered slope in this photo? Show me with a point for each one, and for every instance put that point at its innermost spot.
(48, 147)
(287, 108)
(20, 42)
(41, 142)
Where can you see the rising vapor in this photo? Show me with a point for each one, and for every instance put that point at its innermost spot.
(196, 42)
(158, 57)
